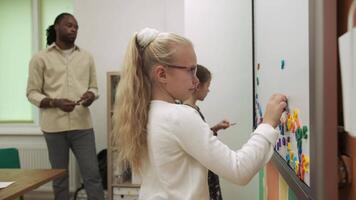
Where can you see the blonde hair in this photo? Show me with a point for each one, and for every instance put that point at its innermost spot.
(132, 101)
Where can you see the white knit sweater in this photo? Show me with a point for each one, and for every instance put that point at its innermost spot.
(181, 148)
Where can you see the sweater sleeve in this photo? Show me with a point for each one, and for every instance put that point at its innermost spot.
(239, 166)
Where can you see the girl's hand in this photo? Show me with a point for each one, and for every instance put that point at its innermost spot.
(224, 124)
(274, 109)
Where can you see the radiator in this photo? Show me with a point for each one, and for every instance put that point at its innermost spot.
(37, 158)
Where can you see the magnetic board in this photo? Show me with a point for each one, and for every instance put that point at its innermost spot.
(281, 65)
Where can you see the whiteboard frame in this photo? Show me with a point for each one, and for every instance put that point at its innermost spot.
(323, 105)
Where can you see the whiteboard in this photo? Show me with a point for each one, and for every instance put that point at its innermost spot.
(281, 46)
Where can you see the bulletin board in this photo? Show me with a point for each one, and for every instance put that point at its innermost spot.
(281, 65)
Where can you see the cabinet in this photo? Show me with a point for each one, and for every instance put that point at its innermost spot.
(122, 184)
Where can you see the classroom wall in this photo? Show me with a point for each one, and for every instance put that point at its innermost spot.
(222, 34)
(273, 186)
(105, 29)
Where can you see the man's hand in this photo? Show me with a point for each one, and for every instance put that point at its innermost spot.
(64, 104)
(87, 98)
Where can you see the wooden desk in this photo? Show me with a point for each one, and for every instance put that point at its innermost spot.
(26, 180)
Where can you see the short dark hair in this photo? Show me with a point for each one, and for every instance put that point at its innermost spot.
(203, 74)
(51, 33)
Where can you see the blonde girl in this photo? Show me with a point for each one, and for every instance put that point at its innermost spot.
(169, 144)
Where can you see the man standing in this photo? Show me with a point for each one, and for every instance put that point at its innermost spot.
(62, 83)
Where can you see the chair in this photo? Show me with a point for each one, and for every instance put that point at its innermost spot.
(9, 158)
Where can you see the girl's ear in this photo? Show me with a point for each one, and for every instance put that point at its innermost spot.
(160, 74)
(198, 87)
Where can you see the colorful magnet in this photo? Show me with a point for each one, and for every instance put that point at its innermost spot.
(282, 64)
(282, 129)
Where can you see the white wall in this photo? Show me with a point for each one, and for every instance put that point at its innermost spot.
(222, 34)
(105, 28)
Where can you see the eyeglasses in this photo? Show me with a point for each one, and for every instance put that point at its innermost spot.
(191, 70)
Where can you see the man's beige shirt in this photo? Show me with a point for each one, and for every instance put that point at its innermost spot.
(53, 75)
